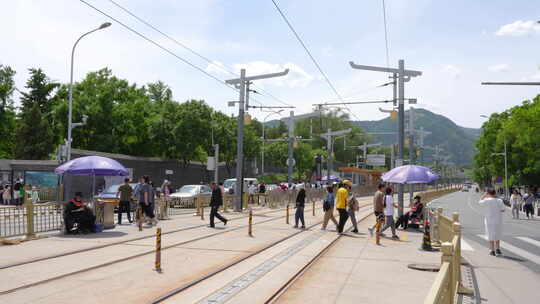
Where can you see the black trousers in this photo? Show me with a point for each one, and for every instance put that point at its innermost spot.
(124, 206)
(343, 216)
(214, 213)
(147, 209)
(529, 209)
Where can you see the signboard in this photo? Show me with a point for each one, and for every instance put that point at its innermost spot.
(168, 172)
(210, 163)
(376, 160)
(291, 162)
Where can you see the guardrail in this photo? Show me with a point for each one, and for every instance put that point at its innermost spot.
(448, 281)
(29, 219)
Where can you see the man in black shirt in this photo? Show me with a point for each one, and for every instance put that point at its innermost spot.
(215, 201)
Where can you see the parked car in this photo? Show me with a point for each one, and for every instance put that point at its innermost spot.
(230, 183)
(109, 195)
(190, 191)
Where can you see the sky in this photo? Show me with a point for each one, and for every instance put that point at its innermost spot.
(456, 44)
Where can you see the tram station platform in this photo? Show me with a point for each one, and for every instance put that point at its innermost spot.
(277, 264)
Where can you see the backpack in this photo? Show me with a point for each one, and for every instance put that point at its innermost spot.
(326, 204)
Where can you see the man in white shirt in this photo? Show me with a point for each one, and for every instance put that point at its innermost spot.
(389, 206)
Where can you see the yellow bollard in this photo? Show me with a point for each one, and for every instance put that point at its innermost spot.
(287, 215)
(158, 250)
(30, 234)
(250, 230)
(202, 210)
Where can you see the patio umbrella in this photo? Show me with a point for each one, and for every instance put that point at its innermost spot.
(92, 166)
(410, 174)
(332, 177)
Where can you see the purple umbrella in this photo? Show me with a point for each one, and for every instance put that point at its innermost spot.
(410, 174)
(92, 166)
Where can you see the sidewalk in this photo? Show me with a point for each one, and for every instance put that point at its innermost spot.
(356, 270)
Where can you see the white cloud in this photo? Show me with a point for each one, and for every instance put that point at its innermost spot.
(296, 78)
(454, 71)
(499, 68)
(519, 28)
(216, 67)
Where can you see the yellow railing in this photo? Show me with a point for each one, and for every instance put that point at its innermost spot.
(448, 281)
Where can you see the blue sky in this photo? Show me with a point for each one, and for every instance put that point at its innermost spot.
(457, 44)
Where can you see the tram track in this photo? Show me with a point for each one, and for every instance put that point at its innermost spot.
(123, 259)
(276, 295)
(194, 282)
(84, 250)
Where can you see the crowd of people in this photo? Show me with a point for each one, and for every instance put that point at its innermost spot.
(525, 200)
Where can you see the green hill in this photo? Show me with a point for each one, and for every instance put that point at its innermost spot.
(457, 142)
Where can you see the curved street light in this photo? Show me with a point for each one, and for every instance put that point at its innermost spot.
(70, 102)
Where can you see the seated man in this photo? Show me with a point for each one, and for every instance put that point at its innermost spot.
(78, 217)
(414, 213)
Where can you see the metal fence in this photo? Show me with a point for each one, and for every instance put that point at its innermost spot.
(30, 219)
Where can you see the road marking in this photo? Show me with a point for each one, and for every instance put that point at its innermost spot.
(527, 255)
(529, 240)
(466, 246)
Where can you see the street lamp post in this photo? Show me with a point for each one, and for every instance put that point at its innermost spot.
(262, 150)
(70, 103)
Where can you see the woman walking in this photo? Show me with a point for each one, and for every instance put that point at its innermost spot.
(300, 204)
(6, 195)
(389, 205)
(493, 220)
(328, 208)
(515, 202)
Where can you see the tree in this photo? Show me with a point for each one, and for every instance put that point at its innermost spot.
(7, 112)
(35, 137)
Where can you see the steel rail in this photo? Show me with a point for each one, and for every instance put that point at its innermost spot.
(194, 282)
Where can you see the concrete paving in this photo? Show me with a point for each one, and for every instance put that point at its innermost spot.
(354, 270)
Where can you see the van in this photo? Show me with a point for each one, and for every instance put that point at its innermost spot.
(230, 184)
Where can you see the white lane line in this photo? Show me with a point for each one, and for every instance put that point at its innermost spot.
(529, 240)
(525, 254)
(465, 246)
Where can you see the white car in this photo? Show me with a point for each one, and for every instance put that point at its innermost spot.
(191, 191)
(230, 183)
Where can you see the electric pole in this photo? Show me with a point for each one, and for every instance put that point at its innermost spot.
(402, 76)
(330, 149)
(241, 83)
(290, 121)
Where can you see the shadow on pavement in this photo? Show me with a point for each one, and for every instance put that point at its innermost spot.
(99, 235)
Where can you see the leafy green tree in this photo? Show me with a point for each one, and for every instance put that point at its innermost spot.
(7, 112)
(35, 138)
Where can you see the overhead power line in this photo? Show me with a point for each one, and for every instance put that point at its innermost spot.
(211, 62)
(386, 34)
(310, 55)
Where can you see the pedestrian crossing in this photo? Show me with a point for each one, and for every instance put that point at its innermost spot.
(519, 251)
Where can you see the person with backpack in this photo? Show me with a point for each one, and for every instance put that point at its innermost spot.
(389, 205)
(300, 204)
(328, 208)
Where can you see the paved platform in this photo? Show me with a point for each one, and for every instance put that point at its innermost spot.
(122, 270)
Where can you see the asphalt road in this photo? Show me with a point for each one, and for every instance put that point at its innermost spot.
(521, 238)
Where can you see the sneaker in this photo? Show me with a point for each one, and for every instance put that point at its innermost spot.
(303, 227)
(498, 251)
(355, 230)
(210, 226)
(395, 237)
(323, 229)
(492, 253)
(225, 222)
(370, 231)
